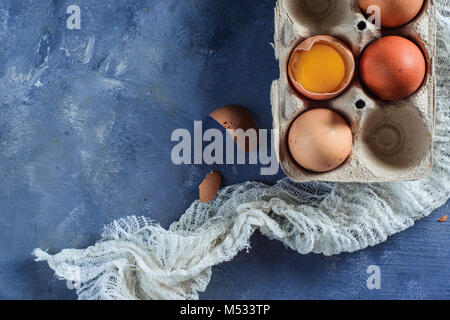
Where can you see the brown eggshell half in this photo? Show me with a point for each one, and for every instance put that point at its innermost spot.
(346, 54)
(209, 187)
(233, 118)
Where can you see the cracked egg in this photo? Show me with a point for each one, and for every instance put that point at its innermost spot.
(321, 67)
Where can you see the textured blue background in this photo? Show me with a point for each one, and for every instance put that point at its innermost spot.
(85, 123)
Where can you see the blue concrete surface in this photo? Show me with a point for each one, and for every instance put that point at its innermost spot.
(85, 123)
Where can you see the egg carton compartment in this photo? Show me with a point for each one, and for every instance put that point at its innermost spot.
(392, 140)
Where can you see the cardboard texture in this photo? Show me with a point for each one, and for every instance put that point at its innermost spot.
(392, 140)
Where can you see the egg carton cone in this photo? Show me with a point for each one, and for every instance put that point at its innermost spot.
(392, 141)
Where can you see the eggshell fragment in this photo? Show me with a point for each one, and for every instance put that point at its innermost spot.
(394, 13)
(340, 47)
(320, 140)
(209, 187)
(233, 118)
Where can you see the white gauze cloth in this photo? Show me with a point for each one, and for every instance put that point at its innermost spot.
(137, 259)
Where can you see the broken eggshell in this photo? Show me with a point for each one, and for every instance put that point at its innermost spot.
(346, 55)
(233, 118)
(209, 186)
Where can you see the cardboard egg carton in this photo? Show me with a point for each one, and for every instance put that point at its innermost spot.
(392, 140)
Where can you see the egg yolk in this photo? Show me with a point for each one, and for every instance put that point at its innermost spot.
(319, 70)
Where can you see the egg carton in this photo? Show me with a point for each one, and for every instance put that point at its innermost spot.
(392, 141)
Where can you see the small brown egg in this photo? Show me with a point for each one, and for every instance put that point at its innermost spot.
(392, 68)
(394, 13)
(321, 67)
(320, 140)
(233, 118)
(209, 187)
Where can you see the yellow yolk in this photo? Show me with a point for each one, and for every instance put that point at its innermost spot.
(319, 70)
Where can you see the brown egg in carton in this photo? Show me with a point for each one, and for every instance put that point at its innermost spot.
(392, 141)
